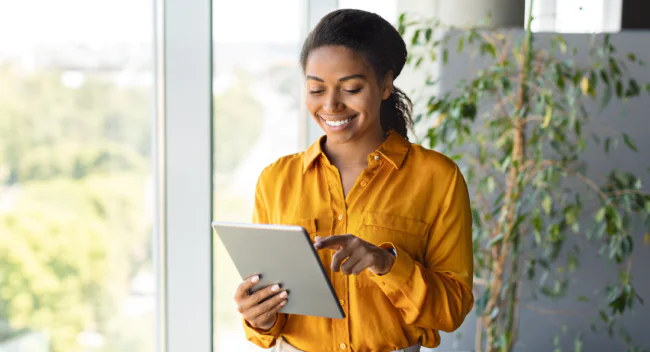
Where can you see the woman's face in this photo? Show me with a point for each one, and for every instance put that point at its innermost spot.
(343, 95)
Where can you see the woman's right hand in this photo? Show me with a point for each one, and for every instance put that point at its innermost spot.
(260, 309)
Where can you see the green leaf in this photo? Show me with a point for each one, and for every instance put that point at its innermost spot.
(537, 223)
(629, 142)
(445, 56)
(495, 240)
(631, 57)
(461, 44)
(401, 28)
(547, 116)
(619, 89)
(613, 67)
(604, 76)
(546, 204)
(416, 37)
(633, 90)
(562, 43)
(604, 316)
(577, 344)
(607, 143)
(427, 34)
(419, 61)
(607, 97)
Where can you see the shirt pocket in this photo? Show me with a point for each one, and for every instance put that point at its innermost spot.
(406, 233)
(308, 224)
(315, 227)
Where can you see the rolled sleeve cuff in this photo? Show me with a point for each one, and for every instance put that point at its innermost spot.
(399, 274)
(267, 338)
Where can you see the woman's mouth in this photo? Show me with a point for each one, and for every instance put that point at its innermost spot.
(338, 124)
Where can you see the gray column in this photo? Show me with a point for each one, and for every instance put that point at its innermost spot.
(185, 98)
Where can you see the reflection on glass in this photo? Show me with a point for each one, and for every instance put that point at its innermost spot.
(257, 101)
(75, 198)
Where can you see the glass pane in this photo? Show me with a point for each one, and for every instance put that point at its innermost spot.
(384, 8)
(76, 206)
(257, 103)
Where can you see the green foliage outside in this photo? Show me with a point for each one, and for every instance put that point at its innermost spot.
(75, 207)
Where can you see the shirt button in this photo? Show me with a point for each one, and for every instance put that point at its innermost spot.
(377, 158)
(340, 216)
(364, 183)
(341, 301)
(342, 346)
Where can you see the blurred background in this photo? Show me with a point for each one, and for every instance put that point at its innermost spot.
(77, 150)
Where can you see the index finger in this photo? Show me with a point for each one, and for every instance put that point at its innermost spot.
(246, 285)
(333, 241)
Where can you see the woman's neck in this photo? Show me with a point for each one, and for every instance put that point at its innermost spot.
(353, 152)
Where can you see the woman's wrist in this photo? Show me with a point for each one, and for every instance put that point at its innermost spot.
(268, 327)
(387, 259)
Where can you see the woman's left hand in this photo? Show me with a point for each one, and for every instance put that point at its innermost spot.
(360, 255)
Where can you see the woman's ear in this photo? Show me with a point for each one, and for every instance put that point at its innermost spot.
(387, 85)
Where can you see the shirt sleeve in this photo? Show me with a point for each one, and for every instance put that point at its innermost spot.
(264, 339)
(437, 294)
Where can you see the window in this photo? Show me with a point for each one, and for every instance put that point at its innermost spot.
(577, 16)
(388, 9)
(76, 195)
(257, 119)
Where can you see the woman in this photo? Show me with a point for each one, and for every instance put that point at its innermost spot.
(390, 219)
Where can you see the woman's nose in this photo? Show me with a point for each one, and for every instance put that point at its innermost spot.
(332, 103)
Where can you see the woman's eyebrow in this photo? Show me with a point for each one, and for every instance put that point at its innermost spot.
(347, 78)
(343, 79)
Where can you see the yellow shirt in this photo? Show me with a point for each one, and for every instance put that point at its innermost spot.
(409, 198)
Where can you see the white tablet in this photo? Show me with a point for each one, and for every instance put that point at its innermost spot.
(282, 255)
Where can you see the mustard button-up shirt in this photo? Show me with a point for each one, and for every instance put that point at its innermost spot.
(412, 199)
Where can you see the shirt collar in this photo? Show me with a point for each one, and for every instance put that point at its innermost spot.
(394, 149)
(312, 153)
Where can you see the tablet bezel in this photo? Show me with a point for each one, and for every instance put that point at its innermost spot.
(265, 280)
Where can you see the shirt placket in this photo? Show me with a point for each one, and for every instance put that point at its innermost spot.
(339, 280)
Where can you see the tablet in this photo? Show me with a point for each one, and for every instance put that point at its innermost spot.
(282, 255)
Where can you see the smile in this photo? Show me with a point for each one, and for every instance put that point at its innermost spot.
(339, 123)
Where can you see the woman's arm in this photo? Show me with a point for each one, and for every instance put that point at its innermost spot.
(437, 294)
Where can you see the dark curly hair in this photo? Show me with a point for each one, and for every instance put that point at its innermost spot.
(379, 43)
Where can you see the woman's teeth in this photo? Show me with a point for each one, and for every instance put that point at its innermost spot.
(337, 123)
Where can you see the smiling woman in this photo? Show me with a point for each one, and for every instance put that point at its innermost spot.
(392, 219)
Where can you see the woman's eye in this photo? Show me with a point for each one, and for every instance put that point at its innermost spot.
(353, 91)
(318, 91)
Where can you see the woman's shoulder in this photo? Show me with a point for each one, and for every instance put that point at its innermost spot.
(283, 165)
(429, 158)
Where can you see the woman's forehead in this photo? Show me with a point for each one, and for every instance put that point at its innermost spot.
(335, 61)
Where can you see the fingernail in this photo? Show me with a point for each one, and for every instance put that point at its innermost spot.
(283, 303)
(275, 288)
(283, 294)
(255, 279)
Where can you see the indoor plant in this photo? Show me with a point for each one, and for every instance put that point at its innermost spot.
(518, 128)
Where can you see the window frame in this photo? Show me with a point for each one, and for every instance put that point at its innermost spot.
(183, 169)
